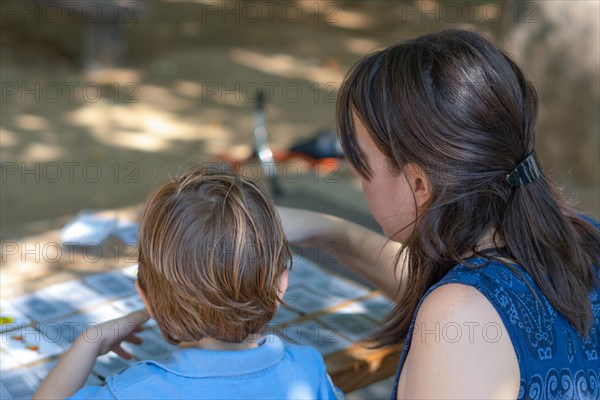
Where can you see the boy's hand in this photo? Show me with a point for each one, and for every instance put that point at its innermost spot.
(109, 335)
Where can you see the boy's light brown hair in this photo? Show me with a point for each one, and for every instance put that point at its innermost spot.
(211, 252)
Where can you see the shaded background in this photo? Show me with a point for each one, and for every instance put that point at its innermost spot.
(101, 101)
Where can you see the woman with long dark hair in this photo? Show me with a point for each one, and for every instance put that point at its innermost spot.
(495, 276)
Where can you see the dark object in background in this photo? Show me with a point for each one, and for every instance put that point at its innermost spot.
(324, 144)
(105, 41)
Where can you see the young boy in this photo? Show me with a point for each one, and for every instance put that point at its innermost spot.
(213, 267)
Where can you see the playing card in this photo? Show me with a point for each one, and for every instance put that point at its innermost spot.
(283, 316)
(126, 231)
(7, 362)
(303, 299)
(310, 333)
(377, 307)
(130, 271)
(110, 364)
(154, 347)
(40, 307)
(129, 304)
(349, 323)
(42, 370)
(27, 345)
(110, 284)
(18, 384)
(305, 272)
(4, 394)
(64, 331)
(88, 228)
(339, 287)
(72, 293)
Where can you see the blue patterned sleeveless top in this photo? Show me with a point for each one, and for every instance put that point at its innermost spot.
(554, 360)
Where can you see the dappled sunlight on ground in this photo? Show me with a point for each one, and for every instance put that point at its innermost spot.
(187, 93)
(286, 66)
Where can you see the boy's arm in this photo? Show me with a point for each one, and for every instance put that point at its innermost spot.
(71, 371)
(75, 365)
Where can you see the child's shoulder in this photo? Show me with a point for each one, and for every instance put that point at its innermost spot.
(302, 354)
(136, 375)
(200, 372)
(301, 360)
(130, 379)
(150, 372)
(306, 360)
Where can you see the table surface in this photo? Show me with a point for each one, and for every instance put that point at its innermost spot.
(51, 292)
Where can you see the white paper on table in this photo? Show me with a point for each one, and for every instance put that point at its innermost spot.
(306, 301)
(310, 275)
(27, 345)
(73, 293)
(42, 370)
(350, 321)
(4, 394)
(40, 307)
(126, 231)
(10, 317)
(18, 384)
(110, 364)
(154, 346)
(129, 304)
(110, 284)
(131, 271)
(283, 316)
(338, 287)
(88, 228)
(377, 307)
(64, 331)
(8, 362)
(305, 272)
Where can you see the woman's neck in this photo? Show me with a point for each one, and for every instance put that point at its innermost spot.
(488, 241)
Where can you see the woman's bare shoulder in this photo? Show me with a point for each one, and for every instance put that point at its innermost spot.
(459, 349)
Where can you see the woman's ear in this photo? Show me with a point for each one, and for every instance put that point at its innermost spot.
(420, 184)
(283, 282)
(142, 295)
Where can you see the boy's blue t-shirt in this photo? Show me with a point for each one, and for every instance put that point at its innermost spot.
(273, 370)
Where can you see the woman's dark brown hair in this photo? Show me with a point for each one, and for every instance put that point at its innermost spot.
(211, 252)
(462, 110)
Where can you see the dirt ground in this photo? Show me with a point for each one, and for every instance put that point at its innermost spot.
(184, 92)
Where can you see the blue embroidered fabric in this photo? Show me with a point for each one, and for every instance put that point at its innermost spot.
(555, 361)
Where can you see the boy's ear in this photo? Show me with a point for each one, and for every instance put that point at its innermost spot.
(142, 295)
(420, 185)
(283, 282)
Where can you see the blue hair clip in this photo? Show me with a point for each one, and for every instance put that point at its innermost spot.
(527, 171)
